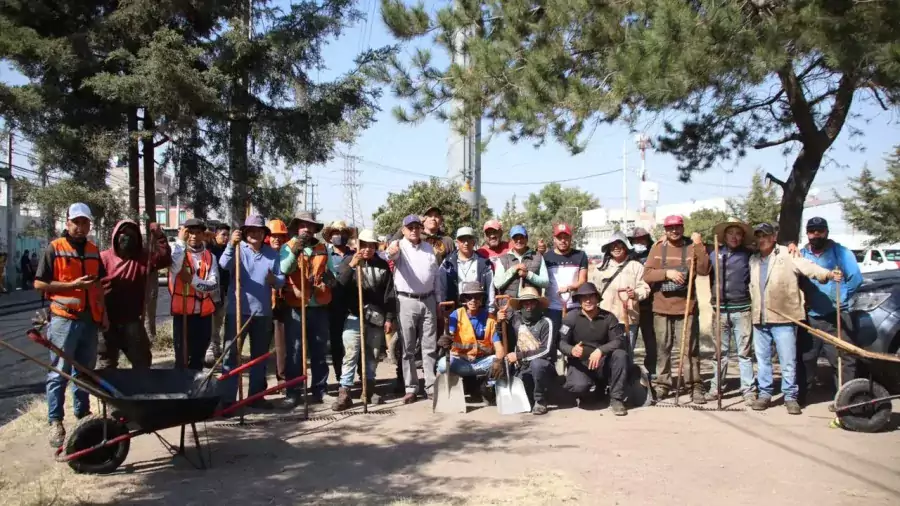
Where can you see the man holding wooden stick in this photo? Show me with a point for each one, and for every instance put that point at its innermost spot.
(379, 309)
(668, 274)
(193, 280)
(775, 286)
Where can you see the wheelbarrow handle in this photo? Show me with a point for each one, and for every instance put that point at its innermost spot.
(89, 388)
(38, 338)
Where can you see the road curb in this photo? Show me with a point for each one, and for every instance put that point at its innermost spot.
(19, 307)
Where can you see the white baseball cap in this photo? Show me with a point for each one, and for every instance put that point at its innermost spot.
(79, 210)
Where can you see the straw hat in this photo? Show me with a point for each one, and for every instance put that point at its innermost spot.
(719, 230)
(337, 226)
(529, 293)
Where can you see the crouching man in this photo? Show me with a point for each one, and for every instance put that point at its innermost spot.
(474, 341)
(533, 345)
(594, 343)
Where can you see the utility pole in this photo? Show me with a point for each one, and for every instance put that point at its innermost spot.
(352, 207)
(625, 186)
(11, 259)
(643, 142)
(464, 155)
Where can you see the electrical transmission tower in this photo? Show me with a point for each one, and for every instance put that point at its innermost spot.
(352, 208)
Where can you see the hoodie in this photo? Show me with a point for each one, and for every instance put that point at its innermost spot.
(125, 283)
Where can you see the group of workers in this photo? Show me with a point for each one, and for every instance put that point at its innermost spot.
(281, 282)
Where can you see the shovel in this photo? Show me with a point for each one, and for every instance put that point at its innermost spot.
(449, 394)
(511, 395)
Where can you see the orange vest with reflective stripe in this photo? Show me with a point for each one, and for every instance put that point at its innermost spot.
(185, 293)
(466, 343)
(68, 266)
(313, 266)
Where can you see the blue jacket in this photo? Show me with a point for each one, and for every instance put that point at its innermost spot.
(735, 283)
(256, 294)
(821, 297)
(451, 276)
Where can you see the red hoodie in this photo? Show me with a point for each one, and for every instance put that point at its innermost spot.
(126, 279)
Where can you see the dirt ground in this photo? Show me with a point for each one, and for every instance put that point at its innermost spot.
(398, 455)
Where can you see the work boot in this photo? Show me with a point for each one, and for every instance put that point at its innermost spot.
(343, 400)
(488, 393)
(711, 396)
(539, 409)
(409, 398)
(750, 398)
(697, 396)
(761, 404)
(660, 393)
(618, 407)
(793, 407)
(57, 434)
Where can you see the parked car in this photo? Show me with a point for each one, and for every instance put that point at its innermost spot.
(878, 259)
(875, 312)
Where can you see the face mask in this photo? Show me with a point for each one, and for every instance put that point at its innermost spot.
(337, 240)
(124, 242)
(531, 315)
(640, 248)
(818, 243)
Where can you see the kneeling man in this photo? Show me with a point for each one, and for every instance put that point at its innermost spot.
(593, 341)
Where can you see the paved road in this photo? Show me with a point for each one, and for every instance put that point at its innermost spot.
(21, 377)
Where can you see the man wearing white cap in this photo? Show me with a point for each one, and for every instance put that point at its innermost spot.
(463, 265)
(69, 275)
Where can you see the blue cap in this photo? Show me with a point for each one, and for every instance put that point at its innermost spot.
(412, 218)
(518, 230)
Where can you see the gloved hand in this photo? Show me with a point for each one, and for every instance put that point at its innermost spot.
(445, 341)
(296, 246)
(497, 370)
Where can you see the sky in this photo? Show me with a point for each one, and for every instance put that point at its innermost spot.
(507, 168)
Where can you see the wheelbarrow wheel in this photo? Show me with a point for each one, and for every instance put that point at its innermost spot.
(89, 433)
(871, 418)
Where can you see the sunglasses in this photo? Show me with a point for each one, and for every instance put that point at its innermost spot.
(466, 298)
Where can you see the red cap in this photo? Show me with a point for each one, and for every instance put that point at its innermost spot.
(673, 221)
(492, 225)
(562, 228)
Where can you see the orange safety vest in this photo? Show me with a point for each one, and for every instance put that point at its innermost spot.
(197, 302)
(313, 266)
(466, 343)
(68, 266)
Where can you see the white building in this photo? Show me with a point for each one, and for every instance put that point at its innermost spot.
(599, 224)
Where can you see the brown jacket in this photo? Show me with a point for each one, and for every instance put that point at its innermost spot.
(632, 276)
(654, 275)
(783, 291)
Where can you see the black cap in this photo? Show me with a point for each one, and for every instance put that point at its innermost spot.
(433, 208)
(765, 229)
(817, 222)
(586, 289)
(194, 222)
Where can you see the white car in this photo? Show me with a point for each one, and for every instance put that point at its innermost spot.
(878, 259)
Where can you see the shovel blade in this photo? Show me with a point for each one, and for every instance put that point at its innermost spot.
(449, 394)
(511, 396)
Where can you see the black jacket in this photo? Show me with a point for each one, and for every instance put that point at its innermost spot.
(603, 333)
(378, 287)
(532, 341)
(735, 283)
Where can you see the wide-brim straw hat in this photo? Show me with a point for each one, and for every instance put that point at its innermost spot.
(336, 226)
(719, 230)
(529, 293)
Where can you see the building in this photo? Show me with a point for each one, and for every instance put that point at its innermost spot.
(170, 212)
(599, 224)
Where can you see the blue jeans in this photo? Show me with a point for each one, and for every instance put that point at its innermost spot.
(785, 337)
(351, 343)
(199, 332)
(77, 339)
(463, 367)
(259, 331)
(317, 324)
(737, 333)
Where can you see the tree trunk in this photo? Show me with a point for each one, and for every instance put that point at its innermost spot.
(134, 166)
(239, 134)
(795, 190)
(150, 209)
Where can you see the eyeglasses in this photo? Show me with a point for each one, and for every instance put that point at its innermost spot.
(466, 298)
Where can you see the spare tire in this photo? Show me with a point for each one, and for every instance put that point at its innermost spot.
(89, 433)
(870, 418)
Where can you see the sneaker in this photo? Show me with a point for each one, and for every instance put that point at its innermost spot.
(711, 396)
(57, 434)
(750, 398)
(343, 401)
(618, 407)
(488, 393)
(697, 396)
(376, 399)
(539, 409)
(291, 402)
(761, 404)
(793, 407)
(660, 393)
(409, 398)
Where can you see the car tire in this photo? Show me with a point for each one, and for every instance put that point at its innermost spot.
(89, 433)
(866, 419)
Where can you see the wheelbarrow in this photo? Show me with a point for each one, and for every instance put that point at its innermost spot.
(143, 401)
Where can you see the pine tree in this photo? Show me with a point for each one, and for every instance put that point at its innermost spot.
(875, 204)
(742, 75)
(761, 205)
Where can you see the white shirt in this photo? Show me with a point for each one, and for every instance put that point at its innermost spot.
(416, 268)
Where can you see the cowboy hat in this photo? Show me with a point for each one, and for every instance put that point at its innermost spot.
(529, 293)
(304, 217)
(719, 230)
(471, 288)
(616, 237)
(336, 226)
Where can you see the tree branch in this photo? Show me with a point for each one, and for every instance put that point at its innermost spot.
(800, 110)
(784, 140)
(165, 139)
(877, 96)
(842, 100)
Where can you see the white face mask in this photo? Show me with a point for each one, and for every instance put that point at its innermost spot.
(640, 248)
